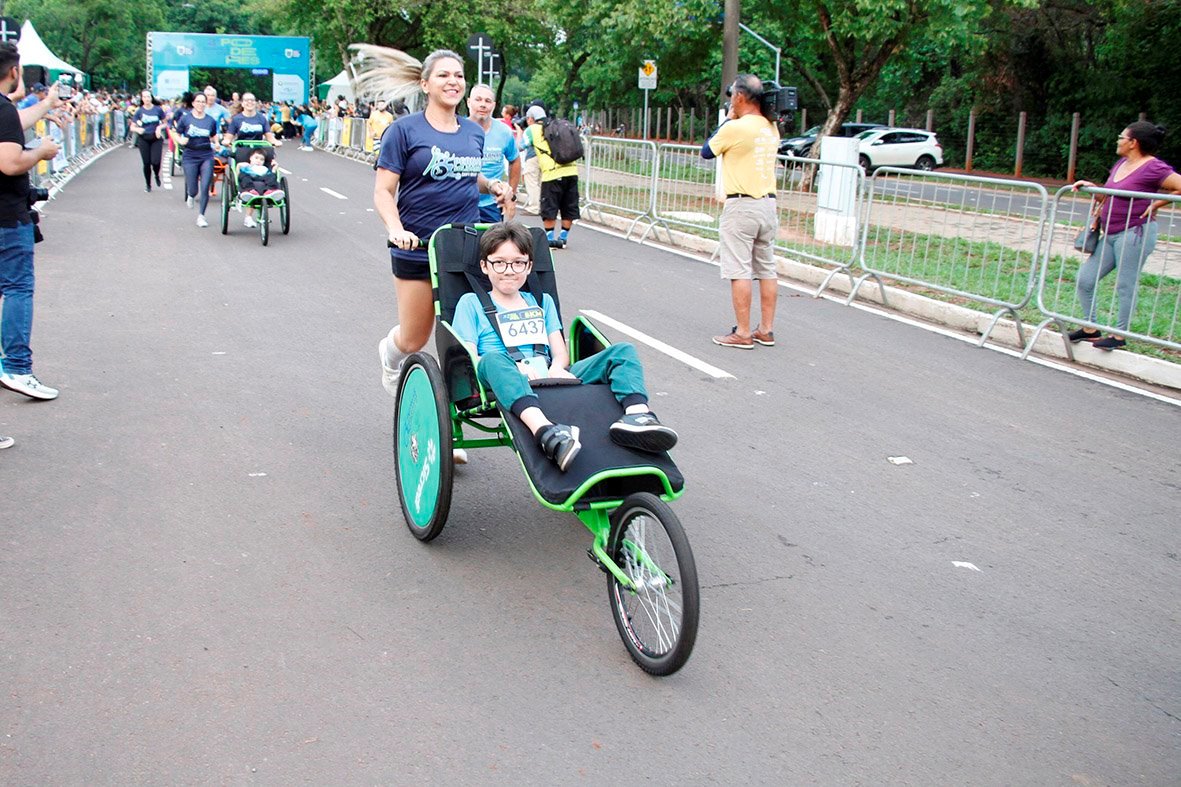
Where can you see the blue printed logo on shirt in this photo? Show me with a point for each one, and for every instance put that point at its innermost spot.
(444, 164)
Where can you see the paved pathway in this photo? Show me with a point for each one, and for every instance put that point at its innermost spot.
(206, 578)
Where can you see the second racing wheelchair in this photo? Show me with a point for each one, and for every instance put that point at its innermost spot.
(619, 494)
(262, 204)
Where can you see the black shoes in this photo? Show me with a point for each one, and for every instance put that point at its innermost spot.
(644, 432)
(1110, 343)
(560, 444)
(1083, 335)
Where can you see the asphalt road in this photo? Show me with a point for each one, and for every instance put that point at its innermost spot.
(206, 577)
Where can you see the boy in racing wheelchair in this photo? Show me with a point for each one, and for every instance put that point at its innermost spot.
(256, 179)
(526, 344)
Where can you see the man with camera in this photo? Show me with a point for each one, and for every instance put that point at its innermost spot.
(17, 228)
(748, 143)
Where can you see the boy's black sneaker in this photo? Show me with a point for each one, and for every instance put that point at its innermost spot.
(557, 243)
(560, 444)
(643, 431)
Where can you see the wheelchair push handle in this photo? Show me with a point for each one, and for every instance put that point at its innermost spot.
(422, 244)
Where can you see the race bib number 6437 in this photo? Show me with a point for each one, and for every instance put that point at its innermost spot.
(523, 327)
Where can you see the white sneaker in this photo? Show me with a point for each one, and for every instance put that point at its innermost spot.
(391, 370)
(459, 456)
(188, 202)
(6, 442)
(201, 222)
(250, 222)
(28, 385)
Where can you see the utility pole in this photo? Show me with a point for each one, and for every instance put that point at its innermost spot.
(730, 30)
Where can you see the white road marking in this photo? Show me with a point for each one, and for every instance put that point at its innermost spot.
(962, 564)
(332, 193)
(918, 324)
(656, 344)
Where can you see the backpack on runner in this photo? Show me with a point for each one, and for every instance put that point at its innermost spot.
(565, 143)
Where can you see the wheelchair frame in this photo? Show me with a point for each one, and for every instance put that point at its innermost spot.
(229, 195)
(424, 381)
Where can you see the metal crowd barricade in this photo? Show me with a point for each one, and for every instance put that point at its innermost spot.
(620, 178)
(684, 191)
(77, 141)
(1143, 303)
(965, 236)
(819, 206)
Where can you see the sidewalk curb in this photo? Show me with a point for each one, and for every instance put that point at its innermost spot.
(1153, 371)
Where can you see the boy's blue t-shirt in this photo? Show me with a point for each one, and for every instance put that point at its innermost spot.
(499, 145)
(438, 174)
(471, 324)
(200, 132)
(248, 128)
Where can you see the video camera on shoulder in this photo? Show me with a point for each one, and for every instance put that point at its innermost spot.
(780, 102)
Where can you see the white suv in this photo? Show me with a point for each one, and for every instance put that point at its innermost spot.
(899, 147)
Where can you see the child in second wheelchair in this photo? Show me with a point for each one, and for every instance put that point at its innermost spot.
(526, 344)
(256, 179)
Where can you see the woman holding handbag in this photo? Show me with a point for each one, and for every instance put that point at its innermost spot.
(1128, 227)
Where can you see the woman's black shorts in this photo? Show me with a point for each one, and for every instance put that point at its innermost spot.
(417, 270)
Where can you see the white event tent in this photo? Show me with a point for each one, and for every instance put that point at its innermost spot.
(337, 86)
(35, 53)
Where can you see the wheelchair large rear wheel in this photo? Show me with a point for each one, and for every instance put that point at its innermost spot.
(423, 463)
(285, 207)
(225, 211)
(657, 620)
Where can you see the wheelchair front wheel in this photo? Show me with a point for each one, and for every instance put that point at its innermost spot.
(424, 466)
(264, 222)
(657, 619)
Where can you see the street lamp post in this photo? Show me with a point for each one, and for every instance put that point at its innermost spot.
(769, 45)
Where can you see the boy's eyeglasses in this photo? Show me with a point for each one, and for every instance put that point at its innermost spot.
(502, 266)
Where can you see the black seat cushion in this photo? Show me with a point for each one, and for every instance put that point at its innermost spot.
(592, 408)
(457, 251)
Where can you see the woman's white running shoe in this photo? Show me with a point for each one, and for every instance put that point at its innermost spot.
(201, 222)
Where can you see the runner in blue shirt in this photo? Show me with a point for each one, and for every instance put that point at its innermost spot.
(499, 146)
(197, 132)
(428, 175)
(214, 108)
(148, 124)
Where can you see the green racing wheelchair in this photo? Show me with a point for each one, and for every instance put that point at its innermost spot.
(619, 494)
(262, 205)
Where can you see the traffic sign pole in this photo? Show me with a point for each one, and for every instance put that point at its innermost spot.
(646, 92)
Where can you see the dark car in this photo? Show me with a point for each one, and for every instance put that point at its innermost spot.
(801, 146)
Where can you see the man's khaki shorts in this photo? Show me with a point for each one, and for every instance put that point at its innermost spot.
(748, 231)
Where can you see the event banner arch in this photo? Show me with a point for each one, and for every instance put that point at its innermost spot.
(286, 58)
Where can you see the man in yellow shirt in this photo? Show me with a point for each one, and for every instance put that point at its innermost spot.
(748, 144)
(559, 183)
(379, 120)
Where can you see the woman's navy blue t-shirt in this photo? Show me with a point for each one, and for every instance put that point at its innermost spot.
(200, 132)
(437, 172)
(248, 128)
(150, 119)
